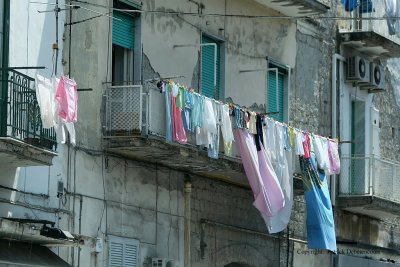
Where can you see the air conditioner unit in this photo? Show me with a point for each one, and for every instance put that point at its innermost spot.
(377, 76)
(160, 262)
(358, 70)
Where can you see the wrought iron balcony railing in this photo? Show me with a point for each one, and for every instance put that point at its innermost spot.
(20, 113)
(370, 175)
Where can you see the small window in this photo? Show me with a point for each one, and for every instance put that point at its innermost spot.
(123, 44)
(276, 92)
(210, 77)
(122, 252)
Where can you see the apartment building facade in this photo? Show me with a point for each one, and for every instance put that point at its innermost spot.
(127, 197)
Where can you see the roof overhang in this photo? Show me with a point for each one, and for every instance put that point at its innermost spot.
(296, 7)
(371, 44)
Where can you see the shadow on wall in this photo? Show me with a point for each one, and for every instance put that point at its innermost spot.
(237, 264)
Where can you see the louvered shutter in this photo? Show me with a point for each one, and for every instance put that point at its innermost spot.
(123, 252)
(275, 98)
(123, 30)
(207, 68)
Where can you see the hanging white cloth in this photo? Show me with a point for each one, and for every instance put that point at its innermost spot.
(203, 134)
(283, 170)
(45, 93)
(226, 129)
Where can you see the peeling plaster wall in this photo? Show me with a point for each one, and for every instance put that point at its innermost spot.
(247, 43)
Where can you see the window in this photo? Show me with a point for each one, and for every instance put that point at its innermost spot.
(122, 252)
(210, 74)
(277, 92)
(358, 160)
(124, 33)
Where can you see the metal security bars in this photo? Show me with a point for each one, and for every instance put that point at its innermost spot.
(23, 114)
(370, 175)
(123, 110)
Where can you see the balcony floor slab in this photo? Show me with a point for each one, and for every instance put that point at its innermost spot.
(371, 44)
(372, 206)
(296, 7)
(15, 153)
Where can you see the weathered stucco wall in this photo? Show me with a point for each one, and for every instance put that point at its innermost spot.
(389, 111)
(247, 43)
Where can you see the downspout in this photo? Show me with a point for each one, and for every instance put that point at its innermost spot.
(188, 192)
(335, 76)
(4, 65)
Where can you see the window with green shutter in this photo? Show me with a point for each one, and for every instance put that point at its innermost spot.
(123, 45)
(123, 30)
(275, 94)
(208, 69)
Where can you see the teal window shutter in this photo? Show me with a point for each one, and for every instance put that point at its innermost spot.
(275, 99)
(207, 68)
(123, 30)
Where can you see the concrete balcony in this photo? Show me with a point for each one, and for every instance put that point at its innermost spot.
(369, 33)
(297, 7)
(23, 140)
(370, 185)
(135, 128)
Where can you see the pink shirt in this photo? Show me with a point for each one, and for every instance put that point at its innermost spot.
(67, 98)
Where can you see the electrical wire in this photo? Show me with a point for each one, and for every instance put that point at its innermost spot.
(84, 20)
(316, 17)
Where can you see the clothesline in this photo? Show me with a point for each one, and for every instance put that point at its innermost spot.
(231, 105)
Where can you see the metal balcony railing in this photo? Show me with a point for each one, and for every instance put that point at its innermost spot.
(370, 175)
(371, 16)
(21, 114)
(123, 110)
(135, 110)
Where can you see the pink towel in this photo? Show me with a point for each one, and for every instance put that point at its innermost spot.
(268, 195)
(67, 98)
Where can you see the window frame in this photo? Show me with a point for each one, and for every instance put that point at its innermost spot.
(220, 66)
(132, 57)
(285, 70)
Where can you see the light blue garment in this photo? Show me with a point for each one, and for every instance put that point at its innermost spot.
(320, 223)
(168, 113)
(286, 138)
(187, 111)
(197, 111)
(237, 124)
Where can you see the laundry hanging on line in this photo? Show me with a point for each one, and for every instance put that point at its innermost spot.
(267, 149)
(58, 103)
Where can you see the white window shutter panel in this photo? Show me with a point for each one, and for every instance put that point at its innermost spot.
(116, 254)
(123, 252)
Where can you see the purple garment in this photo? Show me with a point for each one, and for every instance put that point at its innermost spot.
(268, 195)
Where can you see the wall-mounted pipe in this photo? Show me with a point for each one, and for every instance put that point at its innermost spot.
(188, 192)
(335, 78)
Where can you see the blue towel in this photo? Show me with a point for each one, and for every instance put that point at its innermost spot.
(349, 5)
(320, 223)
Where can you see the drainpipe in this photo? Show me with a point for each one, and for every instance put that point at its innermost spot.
(4, 65)
(335, 76)
(188, 192)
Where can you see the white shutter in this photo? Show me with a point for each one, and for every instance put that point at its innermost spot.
(123, 252)
(130, 255)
